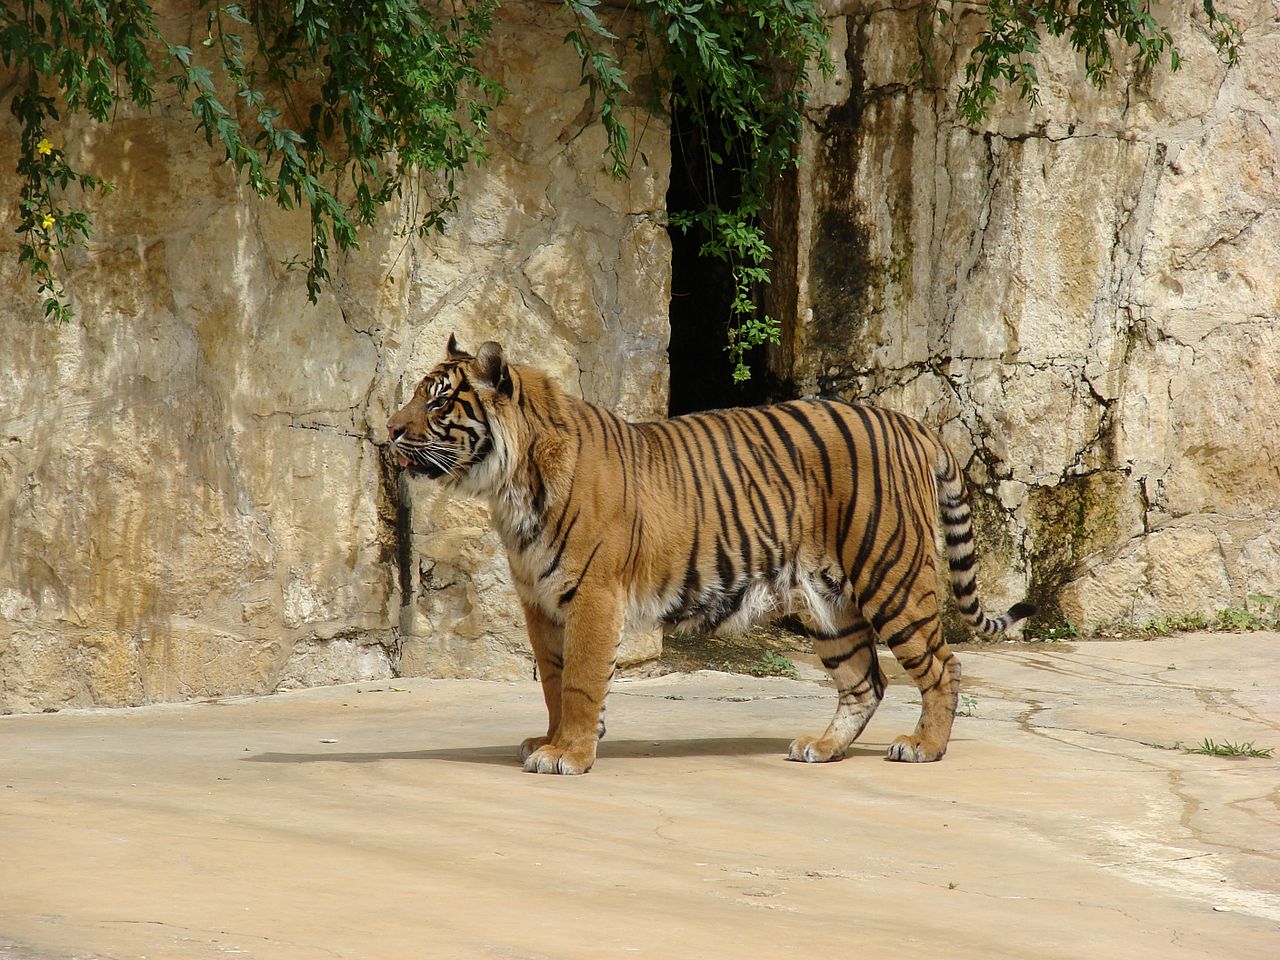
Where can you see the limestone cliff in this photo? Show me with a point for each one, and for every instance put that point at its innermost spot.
(193, 501)
(1085, 294)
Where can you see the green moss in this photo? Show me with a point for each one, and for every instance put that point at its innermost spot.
(1070, 521)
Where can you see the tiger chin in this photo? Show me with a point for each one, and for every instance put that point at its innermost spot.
(818, 509)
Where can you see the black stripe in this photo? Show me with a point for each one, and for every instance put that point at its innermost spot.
(898, 541)
(890, 555)
(615, 426)
(757, 500)
(692, 463)
(783, 436)
(730, 487)
(834, 661)
(564, 542)
(728, 606)
(572, 591)
(846, 631)
(814, 436)
(724, 566)
(604, 430)
(871, 681)
(906, 632)
(582, 692)
(719, 491)
(691, 584)
(876, 498)
(633, 544)
(770, 464)
(568, 502)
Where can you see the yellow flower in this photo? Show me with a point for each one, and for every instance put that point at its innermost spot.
(44, 147)
(48, 221)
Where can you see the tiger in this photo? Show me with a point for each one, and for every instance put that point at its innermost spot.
(817, 509)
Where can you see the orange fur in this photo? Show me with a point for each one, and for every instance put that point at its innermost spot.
(819, 509)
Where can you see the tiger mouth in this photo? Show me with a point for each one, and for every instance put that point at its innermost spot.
(430, 471)
(419, 468)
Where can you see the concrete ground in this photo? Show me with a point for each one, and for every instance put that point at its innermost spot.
(390, 820)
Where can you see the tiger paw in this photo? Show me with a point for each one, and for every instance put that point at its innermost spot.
(914, 750)
(549, 759)
(814, 750)
(531, 745)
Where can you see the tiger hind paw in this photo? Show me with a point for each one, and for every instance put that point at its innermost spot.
(914, 750)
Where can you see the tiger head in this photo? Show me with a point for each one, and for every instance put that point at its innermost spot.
(451, 429)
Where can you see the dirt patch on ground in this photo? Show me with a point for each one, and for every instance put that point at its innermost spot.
(779, 651)
(760, 652)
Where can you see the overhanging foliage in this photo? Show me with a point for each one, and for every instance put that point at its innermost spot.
(344, 102)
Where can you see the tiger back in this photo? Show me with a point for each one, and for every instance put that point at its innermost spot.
(821, 510)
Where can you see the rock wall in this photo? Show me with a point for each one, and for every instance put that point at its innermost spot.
(193, 501)
(1084, 294)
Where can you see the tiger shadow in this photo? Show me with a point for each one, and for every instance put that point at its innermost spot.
(507, 754)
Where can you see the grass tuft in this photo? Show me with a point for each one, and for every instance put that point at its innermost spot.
(1212, 748)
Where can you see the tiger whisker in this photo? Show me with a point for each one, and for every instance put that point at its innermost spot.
(431, 446)
(428, 455)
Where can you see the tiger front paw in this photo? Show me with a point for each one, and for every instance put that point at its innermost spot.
(814, 750)
(561, 760)
(531, 745)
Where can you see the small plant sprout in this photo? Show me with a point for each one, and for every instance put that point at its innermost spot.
(1212, 748)
(773, 664)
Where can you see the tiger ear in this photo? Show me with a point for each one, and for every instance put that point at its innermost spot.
(452, 349)
(492, 368)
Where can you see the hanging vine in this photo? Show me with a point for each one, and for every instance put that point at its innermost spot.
(739, 70)
(1012, 31)
(342, 102)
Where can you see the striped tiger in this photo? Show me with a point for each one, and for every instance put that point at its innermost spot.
(820, 509)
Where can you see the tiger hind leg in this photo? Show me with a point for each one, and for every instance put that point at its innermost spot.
(849, 656)
(917, 643)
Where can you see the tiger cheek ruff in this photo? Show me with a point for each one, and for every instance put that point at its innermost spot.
(820, 509)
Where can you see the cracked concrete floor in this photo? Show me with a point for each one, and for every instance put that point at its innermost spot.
(387, 820)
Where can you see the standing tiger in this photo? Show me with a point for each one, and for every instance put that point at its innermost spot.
(818, 508)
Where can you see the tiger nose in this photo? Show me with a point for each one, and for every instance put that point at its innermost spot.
(394, 433)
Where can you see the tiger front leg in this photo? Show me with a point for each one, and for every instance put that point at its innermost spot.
(547, 639)
(592, 629)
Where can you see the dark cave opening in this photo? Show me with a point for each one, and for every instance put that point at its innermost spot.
(702, 287)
